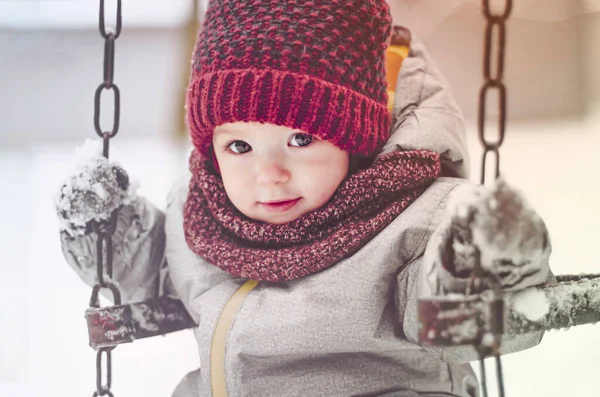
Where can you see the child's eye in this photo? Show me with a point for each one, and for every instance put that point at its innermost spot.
(301, 139)
(238, 147)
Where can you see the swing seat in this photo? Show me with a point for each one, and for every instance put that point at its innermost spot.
(111, 326)
(465, 320)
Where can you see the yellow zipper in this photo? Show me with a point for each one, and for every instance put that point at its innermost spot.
(217, 351)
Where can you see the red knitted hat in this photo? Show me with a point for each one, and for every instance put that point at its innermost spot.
(313, 65)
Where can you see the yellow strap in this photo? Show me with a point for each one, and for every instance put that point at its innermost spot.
(391, 99)
(393, 65)
(399, 50)
(217, 352)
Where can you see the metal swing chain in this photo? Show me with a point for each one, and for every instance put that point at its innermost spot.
(493, 81)
(105, 230)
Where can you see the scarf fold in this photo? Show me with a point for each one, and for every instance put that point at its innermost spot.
(363, 205)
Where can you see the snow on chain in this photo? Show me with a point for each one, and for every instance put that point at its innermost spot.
(559, 306)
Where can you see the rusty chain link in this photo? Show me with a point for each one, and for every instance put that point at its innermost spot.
(493, 81)
(103, 389)
(108, 84)
(105, 230)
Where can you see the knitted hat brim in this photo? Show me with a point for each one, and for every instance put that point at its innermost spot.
(349, 120)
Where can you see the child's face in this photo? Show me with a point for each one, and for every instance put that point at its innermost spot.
(263, 164)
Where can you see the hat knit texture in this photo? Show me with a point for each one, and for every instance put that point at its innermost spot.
(313, 65)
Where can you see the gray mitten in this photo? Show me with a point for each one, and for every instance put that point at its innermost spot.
(96, 189)
(495, 228)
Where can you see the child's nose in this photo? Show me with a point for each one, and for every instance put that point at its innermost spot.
(271, 173)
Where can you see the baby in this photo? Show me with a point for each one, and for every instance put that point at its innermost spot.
(298, 242)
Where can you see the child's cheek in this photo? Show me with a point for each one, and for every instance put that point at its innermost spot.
(317, 159)
(322, 189)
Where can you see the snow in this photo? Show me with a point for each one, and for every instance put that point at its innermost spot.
(578, 297)
(114, 316)
(531, 303)
(466, 330)
(488, 339)
(141, 315)
(91, 149)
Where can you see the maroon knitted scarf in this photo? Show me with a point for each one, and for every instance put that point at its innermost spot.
(364, 203)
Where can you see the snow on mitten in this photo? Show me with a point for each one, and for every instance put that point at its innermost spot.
(96, 188)
(495, 227)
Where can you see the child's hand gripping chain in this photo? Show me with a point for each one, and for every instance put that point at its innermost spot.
(96, 189)
(495, 228)
(93, 192)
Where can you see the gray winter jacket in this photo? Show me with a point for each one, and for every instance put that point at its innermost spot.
(350, 330)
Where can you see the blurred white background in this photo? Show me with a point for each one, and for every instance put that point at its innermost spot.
(52, 63)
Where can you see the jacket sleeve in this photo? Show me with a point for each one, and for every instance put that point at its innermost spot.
(414, 281)
(139, 265)
(426, 115)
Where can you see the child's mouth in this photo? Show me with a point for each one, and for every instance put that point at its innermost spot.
(280, 206)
